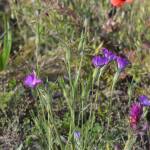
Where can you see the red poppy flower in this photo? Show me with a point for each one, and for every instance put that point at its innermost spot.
(119, 3)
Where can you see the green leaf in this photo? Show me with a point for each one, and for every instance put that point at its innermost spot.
(4, 56)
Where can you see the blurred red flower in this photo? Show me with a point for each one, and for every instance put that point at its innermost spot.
(129, 1)
(119, 3)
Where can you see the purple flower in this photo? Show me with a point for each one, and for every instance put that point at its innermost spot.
(144, 100)
(109, 54)
(122, 62)
(136, 111)
(117, 147)
(99, 61)
(77, 135)
(31, 80)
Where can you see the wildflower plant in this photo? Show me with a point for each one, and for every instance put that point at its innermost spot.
(119, 3)
(122, 63)
(77, 138)
(144, 100)
(31, 80)
(102, 62)
(136, 111)
(99, 61)
(108, 56)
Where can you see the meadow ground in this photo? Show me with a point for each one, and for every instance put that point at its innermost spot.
(59, 89)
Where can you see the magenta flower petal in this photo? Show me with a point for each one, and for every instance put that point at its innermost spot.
(122, 62)
(99, 61)
(109, 54)
(144, 100)
(136, 111)
(31, 80)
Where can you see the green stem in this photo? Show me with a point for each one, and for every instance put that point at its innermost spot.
(115, 79)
